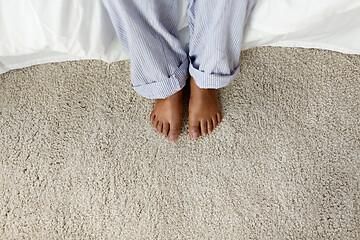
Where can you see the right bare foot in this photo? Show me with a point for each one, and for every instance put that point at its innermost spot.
(204, 110)
(167, 115)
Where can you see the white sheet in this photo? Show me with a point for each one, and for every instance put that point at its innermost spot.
(324, 24)
(41, 31)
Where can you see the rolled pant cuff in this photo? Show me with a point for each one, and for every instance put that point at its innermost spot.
(167, 87)
(213, 80)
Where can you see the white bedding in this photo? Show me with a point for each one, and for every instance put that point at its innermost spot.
(41, 31)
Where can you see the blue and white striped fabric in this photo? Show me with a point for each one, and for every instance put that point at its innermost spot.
(160, 65)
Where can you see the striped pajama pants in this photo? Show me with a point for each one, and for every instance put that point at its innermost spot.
(160, 66)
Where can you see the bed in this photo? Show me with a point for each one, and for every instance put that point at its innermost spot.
(41, 31)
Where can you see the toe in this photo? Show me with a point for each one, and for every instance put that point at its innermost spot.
(174, 132)
(155, 121)
(203, 126)
(219, 117)
(166, 127)
(159, 127)
(209, 126)
(152, 117)
(214, 122)
(194, 130)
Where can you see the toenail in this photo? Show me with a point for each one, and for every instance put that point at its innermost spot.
(172, 137)
(195, 134)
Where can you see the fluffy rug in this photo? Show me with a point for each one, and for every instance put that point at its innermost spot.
(79, 158)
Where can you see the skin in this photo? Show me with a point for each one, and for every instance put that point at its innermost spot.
(204, 110)
(204, 113)
(167, 115)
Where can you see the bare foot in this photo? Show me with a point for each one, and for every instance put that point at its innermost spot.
(167, 115)
(204, 110)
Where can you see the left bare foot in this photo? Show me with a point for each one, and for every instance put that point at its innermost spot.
(204, 110)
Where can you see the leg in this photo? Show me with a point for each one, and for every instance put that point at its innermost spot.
(148, 29)
(159, 65)
(216, 31)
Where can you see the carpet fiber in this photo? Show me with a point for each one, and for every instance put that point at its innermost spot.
(79, 158)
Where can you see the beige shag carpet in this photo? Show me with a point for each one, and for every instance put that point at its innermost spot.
(79, 158)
